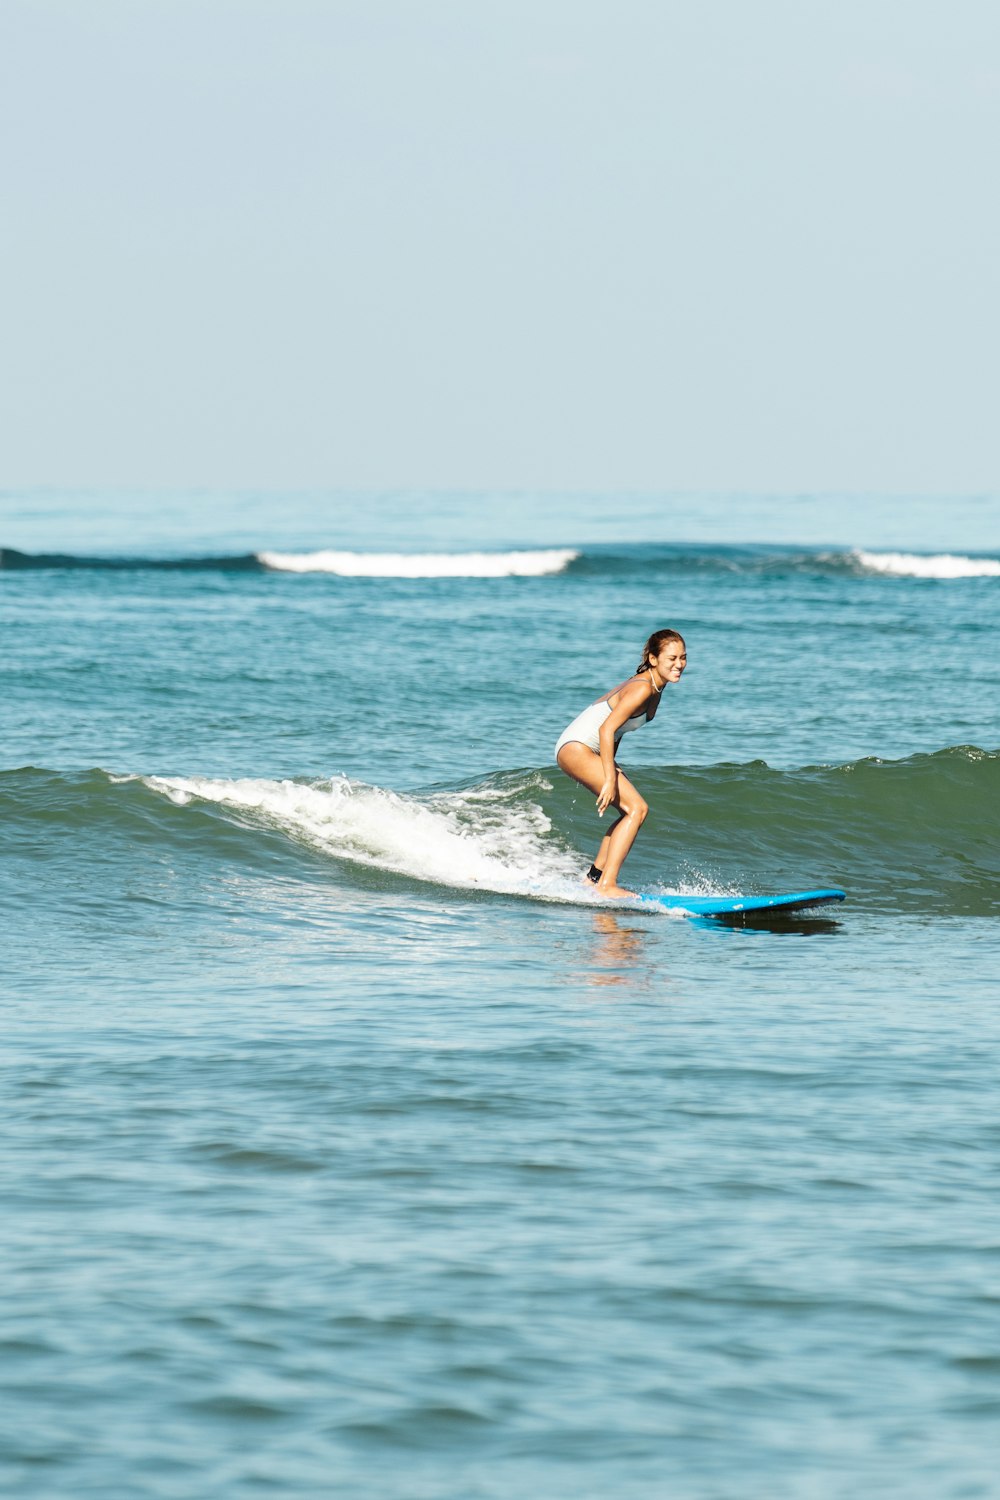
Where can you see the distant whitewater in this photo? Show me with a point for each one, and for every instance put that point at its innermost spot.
(423, 564)
(917, 565)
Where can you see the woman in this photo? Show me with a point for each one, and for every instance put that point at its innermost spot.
(586, 750)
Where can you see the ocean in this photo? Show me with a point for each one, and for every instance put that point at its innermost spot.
(352, 1146)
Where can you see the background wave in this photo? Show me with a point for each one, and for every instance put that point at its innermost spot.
(589, 562)
(918, 565)
(916, 835)
(343, 564)
(11, 560)
(423, 564)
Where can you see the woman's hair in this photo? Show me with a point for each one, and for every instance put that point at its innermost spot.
(655, 645)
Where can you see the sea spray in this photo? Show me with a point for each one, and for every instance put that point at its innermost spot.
(492, 841)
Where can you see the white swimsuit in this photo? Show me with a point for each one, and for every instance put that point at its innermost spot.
(586, 727)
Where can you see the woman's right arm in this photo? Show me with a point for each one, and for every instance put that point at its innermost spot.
(630, 699)
(609, 791)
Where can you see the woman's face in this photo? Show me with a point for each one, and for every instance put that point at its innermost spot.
(671, 661)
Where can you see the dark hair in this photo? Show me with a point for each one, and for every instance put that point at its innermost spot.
(655, 645)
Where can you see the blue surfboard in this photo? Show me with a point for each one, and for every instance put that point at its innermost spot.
(736, 907)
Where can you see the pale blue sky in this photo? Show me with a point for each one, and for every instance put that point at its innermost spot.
(720, 245)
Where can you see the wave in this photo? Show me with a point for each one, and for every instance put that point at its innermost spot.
(900, 836)
(577, 562)
(423, 564)
(492, 837)
(342, 564)
(11, 560)
(916, 565)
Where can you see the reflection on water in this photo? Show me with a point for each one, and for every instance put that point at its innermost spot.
(620, 954)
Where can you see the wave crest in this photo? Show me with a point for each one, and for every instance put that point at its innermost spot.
(492, 837)
(423, 565)
(917, 565)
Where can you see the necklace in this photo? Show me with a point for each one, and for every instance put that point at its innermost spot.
(652, 678)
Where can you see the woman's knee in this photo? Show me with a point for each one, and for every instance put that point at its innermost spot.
(637, 809)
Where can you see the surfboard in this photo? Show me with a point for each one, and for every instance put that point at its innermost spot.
(736, 907)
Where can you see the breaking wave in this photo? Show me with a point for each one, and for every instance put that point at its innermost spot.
(591, 563)
(915, 835)
(423, 564)
(917, 565)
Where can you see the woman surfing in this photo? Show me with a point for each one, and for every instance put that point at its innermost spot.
(586, 750)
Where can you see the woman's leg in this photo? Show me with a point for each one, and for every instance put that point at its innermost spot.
(601, 857)
(580, 762)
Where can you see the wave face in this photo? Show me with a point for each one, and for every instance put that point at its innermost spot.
(588, 562)
(908, 836)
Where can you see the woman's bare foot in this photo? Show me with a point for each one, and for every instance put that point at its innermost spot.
(612, 890)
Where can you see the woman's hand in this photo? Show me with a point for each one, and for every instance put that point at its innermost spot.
(608, 794)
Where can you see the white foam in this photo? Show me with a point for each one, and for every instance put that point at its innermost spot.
(422, 564)
(490, 840)
(491, 837)
(914, 565)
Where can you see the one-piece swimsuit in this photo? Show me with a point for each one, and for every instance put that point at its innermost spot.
(586, 727)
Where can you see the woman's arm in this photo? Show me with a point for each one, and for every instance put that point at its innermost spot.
(630, 699)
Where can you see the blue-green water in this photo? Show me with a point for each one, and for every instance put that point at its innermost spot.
(351, 1148)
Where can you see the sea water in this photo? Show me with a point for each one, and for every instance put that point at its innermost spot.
(352, 1146)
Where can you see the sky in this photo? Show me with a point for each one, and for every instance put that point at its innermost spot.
(719, 245)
